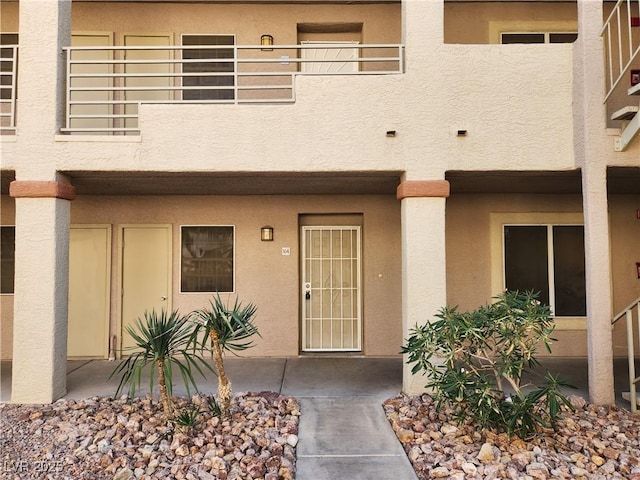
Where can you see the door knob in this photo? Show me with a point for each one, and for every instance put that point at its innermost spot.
(163, 298)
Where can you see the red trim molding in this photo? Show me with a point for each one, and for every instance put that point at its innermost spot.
(34, 189)
(423, 188)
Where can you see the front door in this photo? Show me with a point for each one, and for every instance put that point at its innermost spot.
(331, 312)
(89, 274)
(146, 273)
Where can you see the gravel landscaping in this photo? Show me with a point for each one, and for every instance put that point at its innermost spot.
(105, 438)
(594, 442)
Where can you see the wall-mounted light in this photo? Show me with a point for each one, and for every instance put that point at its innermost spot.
(266, 41)
(266, 233)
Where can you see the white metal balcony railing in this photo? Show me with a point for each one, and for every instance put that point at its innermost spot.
(621, 42)
(8, 81)
(106, 85)
(627, 315)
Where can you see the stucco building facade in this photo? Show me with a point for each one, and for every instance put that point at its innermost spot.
(407, 155)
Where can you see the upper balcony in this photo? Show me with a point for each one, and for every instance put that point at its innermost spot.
(106, 84)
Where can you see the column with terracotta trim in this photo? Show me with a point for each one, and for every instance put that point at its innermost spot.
(43, 216)
(423, 260)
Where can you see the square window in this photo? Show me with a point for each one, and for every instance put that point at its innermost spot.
(207, 259)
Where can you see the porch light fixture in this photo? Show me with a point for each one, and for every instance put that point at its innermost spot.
(266, 41)
(266, 233)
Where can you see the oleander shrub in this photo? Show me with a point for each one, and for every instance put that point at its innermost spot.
(475, 362)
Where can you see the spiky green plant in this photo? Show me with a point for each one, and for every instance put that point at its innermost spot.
(161, 341)
(227, 329)
(187, 419)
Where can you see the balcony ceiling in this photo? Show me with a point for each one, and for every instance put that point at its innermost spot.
(224, 183)
(620, 180)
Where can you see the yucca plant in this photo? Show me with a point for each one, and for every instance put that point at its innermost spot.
(227, 329)
(161, 341)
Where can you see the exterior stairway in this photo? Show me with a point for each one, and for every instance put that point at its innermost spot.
(630, 121)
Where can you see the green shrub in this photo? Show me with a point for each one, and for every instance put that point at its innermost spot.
(475, 363)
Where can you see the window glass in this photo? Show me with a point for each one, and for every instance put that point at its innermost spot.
(522, 38)
(526, 261)
(207, 259)
(7, 258)
(562, 37)
(538, 37)
(218, 74)
(569, 272)
(528, 252)
(7, 65)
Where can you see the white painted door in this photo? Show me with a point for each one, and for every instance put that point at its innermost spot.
(330, 59)
(146, 273)
(331, 311)
(89, 272)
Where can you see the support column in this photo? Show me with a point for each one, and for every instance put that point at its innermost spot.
(424, 289)
(593, 150)
(43, 216)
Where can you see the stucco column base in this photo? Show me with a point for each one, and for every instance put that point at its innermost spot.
(423, 271)
(40, 300)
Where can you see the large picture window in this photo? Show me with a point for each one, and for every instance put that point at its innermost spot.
(548, 259)
(7, 258)
(207, 259)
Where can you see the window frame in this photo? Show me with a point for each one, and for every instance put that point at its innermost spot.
(545, 33)
(233, 259)
(498, 278)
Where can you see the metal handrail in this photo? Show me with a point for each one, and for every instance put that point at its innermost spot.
(103, 94)
(622, 47)
(627, 314)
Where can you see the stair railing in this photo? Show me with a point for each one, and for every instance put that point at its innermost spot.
(627, 314)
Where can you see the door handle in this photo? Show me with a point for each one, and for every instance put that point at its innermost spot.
(307, 295)
(163, 298)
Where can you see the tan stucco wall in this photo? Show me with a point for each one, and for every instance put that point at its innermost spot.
(381, 22)
(263, 275)
(469, 253)
(479, 22)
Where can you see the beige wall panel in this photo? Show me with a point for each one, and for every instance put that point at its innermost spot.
(469, 256)
(263, 275)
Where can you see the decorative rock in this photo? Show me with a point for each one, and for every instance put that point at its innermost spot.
(486, 454)
(439, 472)
(124, 474)
(405, 436)
(469, 468)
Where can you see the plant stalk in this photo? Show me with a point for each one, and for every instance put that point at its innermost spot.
(224, 385)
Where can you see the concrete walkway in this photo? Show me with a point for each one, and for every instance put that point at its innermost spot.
(343, 432)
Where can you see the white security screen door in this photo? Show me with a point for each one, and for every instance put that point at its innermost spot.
(331, 312)
(331, 60)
